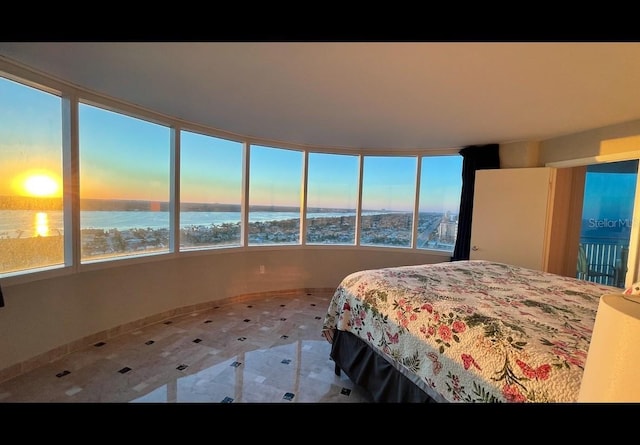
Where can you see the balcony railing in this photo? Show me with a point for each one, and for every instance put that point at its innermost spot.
(603, 263)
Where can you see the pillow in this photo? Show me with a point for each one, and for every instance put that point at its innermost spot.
(634, 289)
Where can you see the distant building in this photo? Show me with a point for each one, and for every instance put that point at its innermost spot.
(448, 229)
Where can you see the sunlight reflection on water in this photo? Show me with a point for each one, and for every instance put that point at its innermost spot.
(42, 224)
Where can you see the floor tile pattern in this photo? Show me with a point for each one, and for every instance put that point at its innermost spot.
(263, 350)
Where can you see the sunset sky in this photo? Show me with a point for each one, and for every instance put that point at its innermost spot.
(30, 138)
(128, 158)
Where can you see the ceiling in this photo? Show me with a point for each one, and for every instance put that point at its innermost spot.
(360, 95)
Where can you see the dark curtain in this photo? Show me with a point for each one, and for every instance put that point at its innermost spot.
(474, 157)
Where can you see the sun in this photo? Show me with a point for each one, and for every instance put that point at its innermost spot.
(41, 185)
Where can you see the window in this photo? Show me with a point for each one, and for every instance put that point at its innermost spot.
(388, 199)
(31, 212)
(124, 185)
(607, 214)
(210, 190)
(440, 188)
(332, 195)
(125, 203)
(275, 181)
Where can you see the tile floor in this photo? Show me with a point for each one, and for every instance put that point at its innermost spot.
(262, 350)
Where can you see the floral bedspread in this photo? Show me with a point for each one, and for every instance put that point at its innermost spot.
(474, 331)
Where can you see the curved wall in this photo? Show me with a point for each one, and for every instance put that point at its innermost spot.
(47, 318)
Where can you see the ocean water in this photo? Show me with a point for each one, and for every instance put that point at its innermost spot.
(606, 231)
(14, 223)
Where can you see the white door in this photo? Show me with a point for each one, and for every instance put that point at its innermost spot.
(510, 211)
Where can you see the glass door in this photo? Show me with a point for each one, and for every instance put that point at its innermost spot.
(607, 214)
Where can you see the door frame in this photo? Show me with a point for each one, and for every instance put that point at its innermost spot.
(634, 236)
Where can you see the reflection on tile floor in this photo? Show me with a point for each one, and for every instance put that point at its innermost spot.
(265, 350)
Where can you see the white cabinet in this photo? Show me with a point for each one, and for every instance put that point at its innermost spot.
(520, 217)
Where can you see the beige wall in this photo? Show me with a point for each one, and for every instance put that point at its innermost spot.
(43, 315)
(599, 142)
(519, 154)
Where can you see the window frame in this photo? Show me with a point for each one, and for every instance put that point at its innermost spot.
(72, 96)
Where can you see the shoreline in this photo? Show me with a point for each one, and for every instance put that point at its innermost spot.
(390, 229)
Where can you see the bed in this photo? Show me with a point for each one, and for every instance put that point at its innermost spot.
(463, 331)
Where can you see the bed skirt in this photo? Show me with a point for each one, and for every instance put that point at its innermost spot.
(372, 372)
